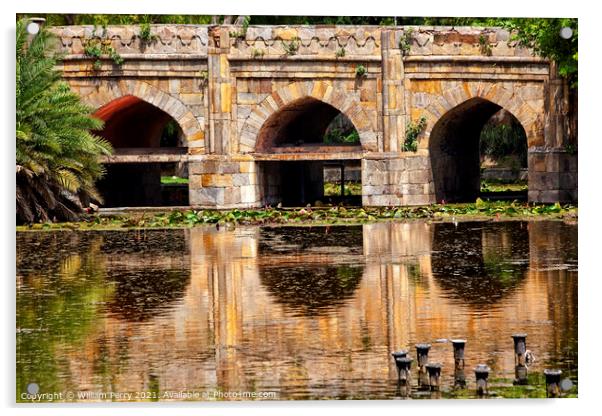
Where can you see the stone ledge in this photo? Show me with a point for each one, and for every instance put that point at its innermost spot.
(307, 156)
(143, 56)
(356, 58)
(472, 58)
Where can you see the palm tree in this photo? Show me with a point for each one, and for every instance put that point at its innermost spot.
(57, 156)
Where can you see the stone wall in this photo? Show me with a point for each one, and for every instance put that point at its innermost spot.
(504, 174)
(225, 86)
(392, 180)
(224, 182)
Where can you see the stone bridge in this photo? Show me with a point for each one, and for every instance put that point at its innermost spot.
(252, 106)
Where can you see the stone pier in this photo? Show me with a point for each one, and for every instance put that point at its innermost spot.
(248, 102)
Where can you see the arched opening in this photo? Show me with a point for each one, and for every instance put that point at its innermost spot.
(312, 156)
(478, 149)
(147, 168)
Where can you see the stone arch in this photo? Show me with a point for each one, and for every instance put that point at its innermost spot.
(453, 140)
(194, 134)
(324, 91)
(523, 101)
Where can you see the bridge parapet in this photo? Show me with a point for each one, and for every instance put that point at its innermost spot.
(235, 91)
(295, 42)
(180, 41)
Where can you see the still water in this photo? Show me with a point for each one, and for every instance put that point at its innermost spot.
(289, 312)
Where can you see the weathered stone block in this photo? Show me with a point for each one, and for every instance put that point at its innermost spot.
(228, 167)
(232, 196)
(206, 166)
(193, 98)
(240, 179)
(417, 199)
(249, 194)
(374, 189)
(248, 167)
(398, 177)
(419, 176)
(286, 33)
(413, 189)
(568, 181)
(209, 197)
(216, 180)
(537, 162)
(417, 162)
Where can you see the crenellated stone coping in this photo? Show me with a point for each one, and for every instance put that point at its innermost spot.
(169, 39)
(311, 40)
(365, 40)
(309, 58)
(146, 57)
(314, 45)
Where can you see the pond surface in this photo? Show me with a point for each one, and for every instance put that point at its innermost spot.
(289, 312)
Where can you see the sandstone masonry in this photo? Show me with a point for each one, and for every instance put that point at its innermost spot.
(231, 91)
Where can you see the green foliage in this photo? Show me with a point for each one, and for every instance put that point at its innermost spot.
(413, 130)
(360, 71)
(242, 33)
(119, 19)
(146, 36)
(571, 149)
(257, 53)
(498, 141)
(540, 34)
(56, 155)
(543, 35)
(337, 136)
(484, 45)
(334, 188)
(173, 180)
(503, 186)
(170, 134)
(340, 53)
(292, 47)
(405, 42)
(204, 75)
(324, 215)
(99, 46)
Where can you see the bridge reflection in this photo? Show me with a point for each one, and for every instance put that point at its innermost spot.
(308, 313)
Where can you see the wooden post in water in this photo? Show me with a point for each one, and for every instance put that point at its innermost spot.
(396, 356)
(422, 357)
(404, 364)
(459, 376)
(481, 373)
(552, 382)
(520, 362)
(434, 372)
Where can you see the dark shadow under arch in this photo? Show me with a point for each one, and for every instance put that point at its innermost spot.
(142, 133)
(306, 127)
(299, 123)
(131, 122)
(454, 150)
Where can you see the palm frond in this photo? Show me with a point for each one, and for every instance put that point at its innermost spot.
(57, 156)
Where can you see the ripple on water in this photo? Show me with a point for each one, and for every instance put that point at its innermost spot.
(307, 312)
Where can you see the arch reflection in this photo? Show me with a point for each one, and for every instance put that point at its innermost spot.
(311, 270)
(144, 293)
(231, 328)
(311, 290)
(480, 264)
(148, 270)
